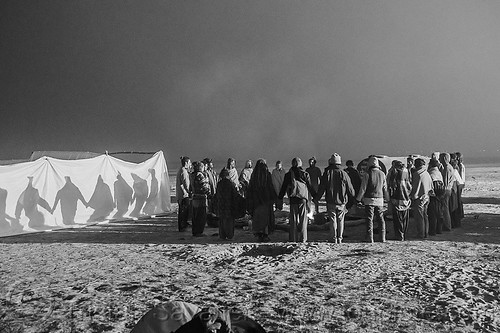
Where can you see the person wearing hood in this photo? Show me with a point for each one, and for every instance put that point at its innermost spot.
(298, 201)
(448, 179)
(400, 189)
(434, 210)
(226, 205)
(337, 185)
(371, 193)
(421, 190)
(260, 199)
(101, 201)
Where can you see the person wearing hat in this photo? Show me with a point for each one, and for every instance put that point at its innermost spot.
(371, 193)
(420, 193)
(400, 189)
(298, 201)
(337, 185)
(226, 205)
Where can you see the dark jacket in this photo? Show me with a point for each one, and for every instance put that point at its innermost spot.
(314, 176)
(355, 178)
(300, 175)
(227, 199)
(201, 190)
(337, 185)
(399, 185)
(260, 194)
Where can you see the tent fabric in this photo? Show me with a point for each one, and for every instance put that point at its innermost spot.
(8, 162)
(63, 155)
(385, 162)
(51, 193)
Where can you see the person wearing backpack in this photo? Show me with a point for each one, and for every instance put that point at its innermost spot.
(435, 208)
(337, 185)
(399, 192)
(297, 186)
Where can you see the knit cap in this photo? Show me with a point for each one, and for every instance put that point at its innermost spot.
(335, 159)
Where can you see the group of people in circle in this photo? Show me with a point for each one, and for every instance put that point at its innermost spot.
(428, 189)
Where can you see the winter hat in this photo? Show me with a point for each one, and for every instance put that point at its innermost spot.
(373, 162)
(335, 159)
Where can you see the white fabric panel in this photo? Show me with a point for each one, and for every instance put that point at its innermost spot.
(30, 190)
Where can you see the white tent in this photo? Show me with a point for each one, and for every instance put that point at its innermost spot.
(385, 162)
(51, 193)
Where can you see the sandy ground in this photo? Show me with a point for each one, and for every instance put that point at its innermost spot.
(103, 278)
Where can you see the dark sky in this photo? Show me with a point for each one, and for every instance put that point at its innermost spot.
(250, 79)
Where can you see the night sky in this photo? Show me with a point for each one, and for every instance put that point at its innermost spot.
(250, 79)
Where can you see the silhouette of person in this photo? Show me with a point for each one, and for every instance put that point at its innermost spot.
(123, 196)
(14, 225)
(150, 206)
(68, 195)
(101, 201)
(3, 205)
(140, 187)
(29, 200)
